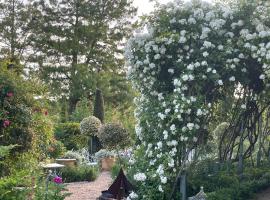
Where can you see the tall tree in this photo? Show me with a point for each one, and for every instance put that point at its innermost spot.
(15, 26)
(99, 106)
(77, 39)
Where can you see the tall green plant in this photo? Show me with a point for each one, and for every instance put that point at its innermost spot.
(99, 106)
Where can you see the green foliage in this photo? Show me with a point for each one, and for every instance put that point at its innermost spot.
(123, 115)
(79, 173)
(7, 185)
(56, 149)
(77, 39)
(5, 150)
(113, 136)
(15, 28)
(55, 191)
(15, 108)
(42, 127)
(90, 126)
(221, 184)
(99, 106)
(82, 110)
(69, 134)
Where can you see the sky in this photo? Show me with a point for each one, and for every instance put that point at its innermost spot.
(144, 6)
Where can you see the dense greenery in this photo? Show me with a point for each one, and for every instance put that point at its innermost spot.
(221, 182)
(80, 173)
(69, 134)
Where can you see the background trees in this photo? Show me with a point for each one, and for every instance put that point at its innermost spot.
(79, 44)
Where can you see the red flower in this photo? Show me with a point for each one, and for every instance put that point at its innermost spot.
(46, 112)
(57, 179)
(10, 94)
(6, 123)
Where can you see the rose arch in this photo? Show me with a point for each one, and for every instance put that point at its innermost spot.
(186, 61)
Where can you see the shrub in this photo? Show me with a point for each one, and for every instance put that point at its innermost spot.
(69, 133)
(90, 126)
(80, 173)
(103, 153)
(56, 149)
(113, 135)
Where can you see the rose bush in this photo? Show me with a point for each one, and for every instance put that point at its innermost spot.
(185, 59)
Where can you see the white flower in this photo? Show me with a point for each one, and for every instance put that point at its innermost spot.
(190, 67)
(139, 177)
(220, 47)
(171, 71)
(191, 77)
(165, 134)
(199, 112)
(171, 163)
(132, 195)
(207, 44)
(190, 126)
(185, 77)
(205, 54)
(152, 65)
(220, 82)
(172, 127)
(157, 56)
(204, 63)
(182, 40)
(163, 179)
(167, 110)
(160, 188)
(232, 78)
(262, 77)
(159, 145)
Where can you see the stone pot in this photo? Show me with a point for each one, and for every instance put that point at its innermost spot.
(107, 163)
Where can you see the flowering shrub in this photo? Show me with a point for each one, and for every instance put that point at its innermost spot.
(187, 58)
(90, 126)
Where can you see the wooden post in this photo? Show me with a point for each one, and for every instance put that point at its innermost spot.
(183, 185)
(241, 149)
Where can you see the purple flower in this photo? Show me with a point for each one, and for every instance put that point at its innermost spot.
(10, 94)
(57, 179)
(6, 123)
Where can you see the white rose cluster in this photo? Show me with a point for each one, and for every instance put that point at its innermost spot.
(191, 51)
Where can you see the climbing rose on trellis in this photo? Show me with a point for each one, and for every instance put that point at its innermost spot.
(181, 61)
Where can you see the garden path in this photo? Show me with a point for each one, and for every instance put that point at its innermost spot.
(89, 190)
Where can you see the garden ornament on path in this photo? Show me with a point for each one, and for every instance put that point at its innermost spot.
(186, 58)
(120, 189)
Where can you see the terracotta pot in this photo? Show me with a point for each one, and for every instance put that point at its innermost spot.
(67, 162)
(107, 163)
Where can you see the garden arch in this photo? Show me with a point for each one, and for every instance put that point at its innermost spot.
(189, 61)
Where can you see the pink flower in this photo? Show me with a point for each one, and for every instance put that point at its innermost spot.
(57, 179)
(6, 123)
(10, 94)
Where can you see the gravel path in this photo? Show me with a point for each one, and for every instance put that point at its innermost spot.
(264, 195)
(89, 190)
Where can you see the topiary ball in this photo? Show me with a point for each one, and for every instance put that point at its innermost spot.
(90, 126)
(113, 135)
